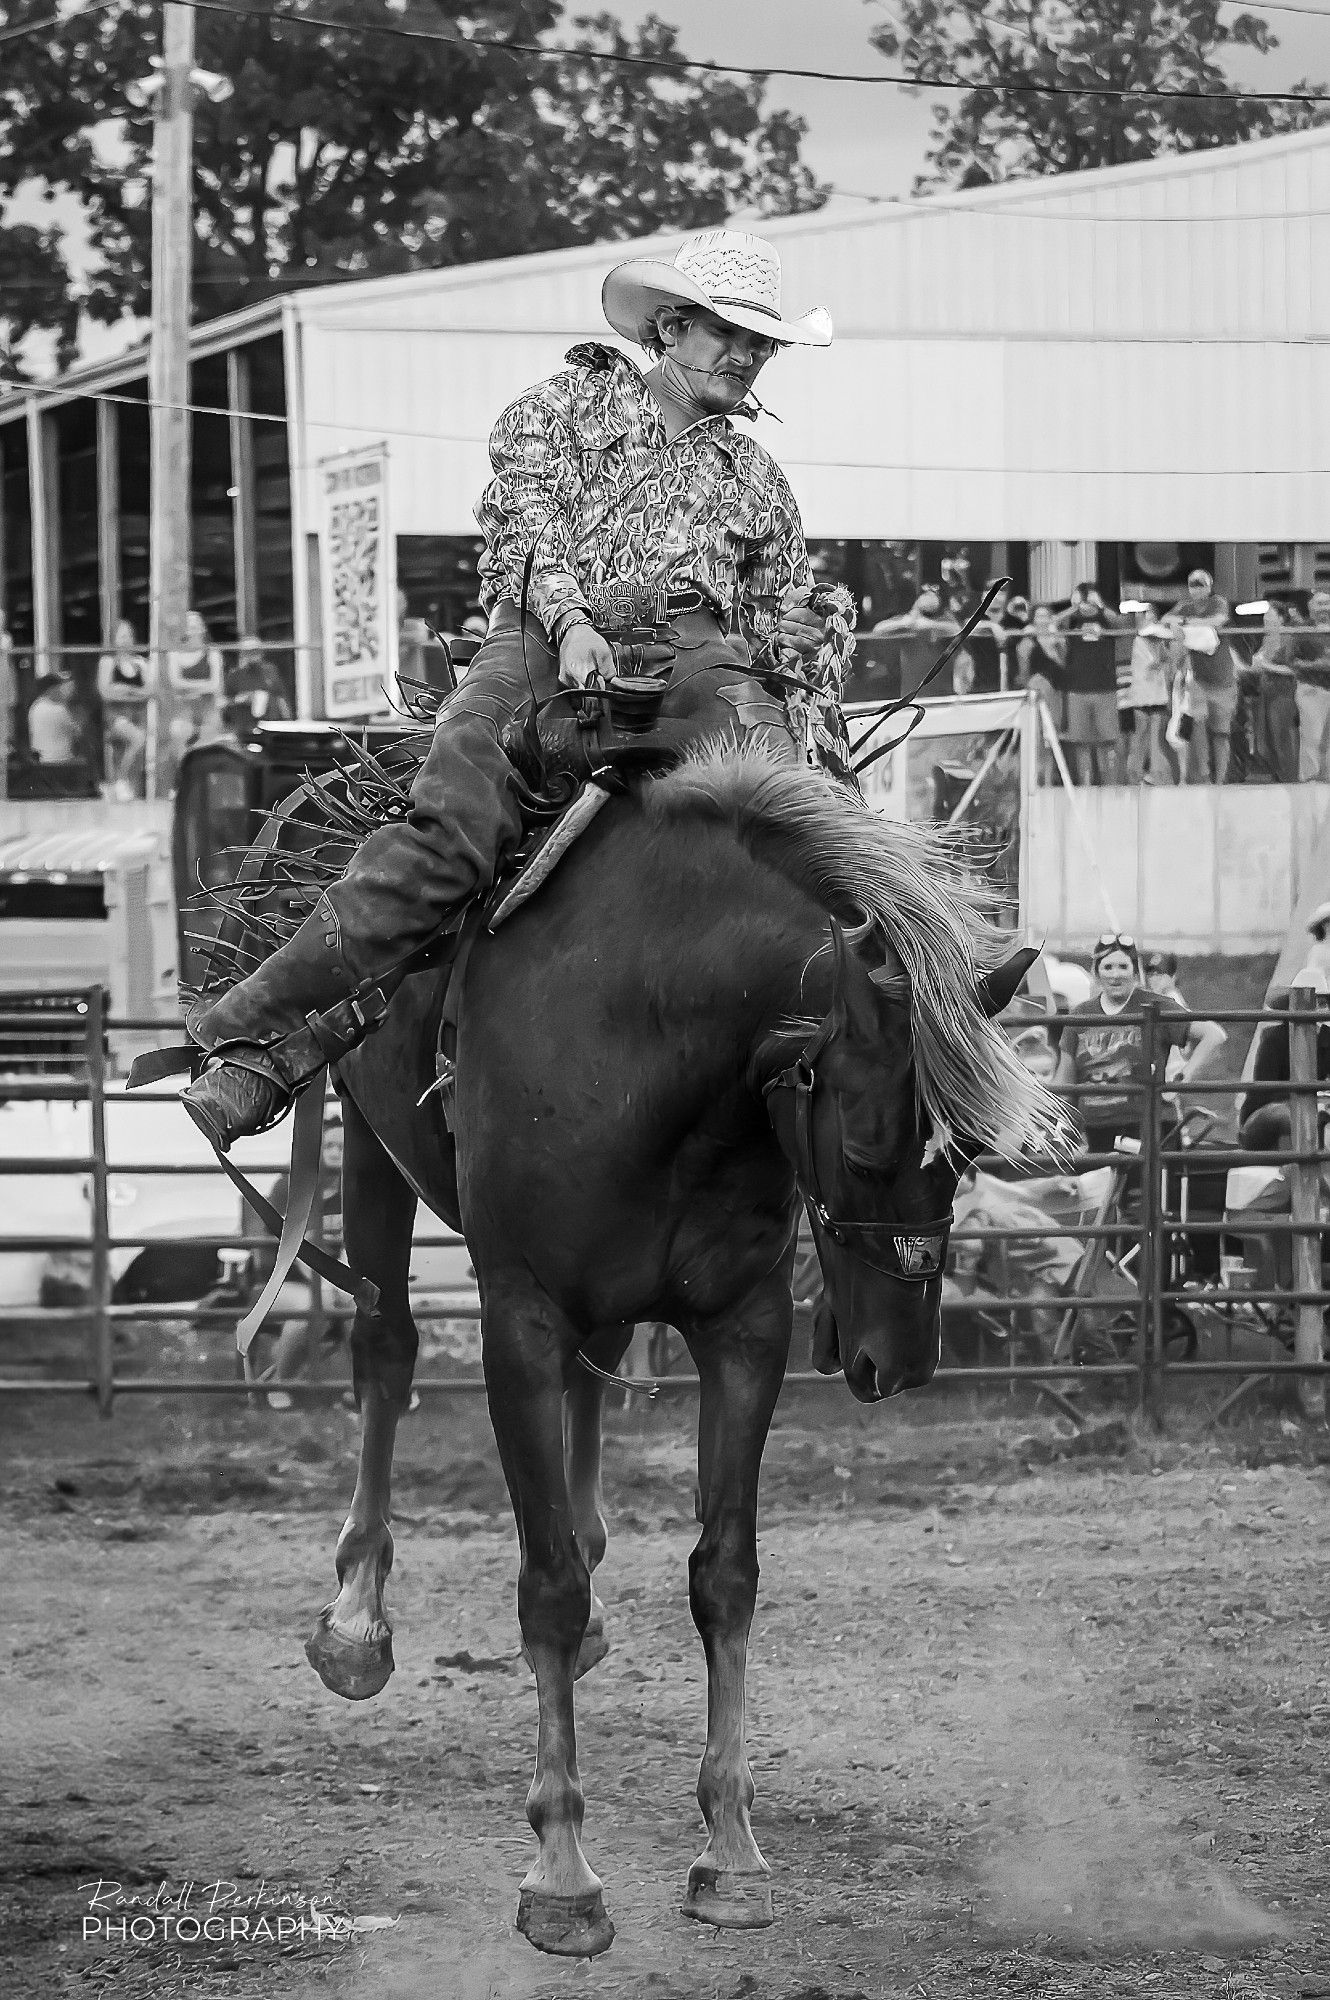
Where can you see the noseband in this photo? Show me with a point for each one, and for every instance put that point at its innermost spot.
(913, 1257)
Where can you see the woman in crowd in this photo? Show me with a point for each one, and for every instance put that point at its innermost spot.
(1042, 665)
(1150, 695)
(126, 684)
(194, 675)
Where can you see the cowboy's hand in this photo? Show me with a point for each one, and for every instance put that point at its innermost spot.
(582, 654)
(799, 629)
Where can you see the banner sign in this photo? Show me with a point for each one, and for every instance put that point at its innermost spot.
(359, 584)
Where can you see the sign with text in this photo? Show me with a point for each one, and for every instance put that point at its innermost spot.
(359, 584)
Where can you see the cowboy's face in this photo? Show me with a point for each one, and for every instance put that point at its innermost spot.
(721, 362)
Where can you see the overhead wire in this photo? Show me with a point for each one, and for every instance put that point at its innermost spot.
(683, 65)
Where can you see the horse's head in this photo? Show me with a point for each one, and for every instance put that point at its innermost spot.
(877, 1176)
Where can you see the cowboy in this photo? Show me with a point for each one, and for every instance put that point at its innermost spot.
(635, 502)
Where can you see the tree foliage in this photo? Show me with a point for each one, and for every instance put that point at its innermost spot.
(986, 133)
(356, 151)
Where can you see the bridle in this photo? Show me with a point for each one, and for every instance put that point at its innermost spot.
(912, 1256)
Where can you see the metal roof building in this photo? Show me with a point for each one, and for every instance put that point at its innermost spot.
(1129, 355)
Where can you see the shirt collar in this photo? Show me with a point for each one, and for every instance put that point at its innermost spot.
(626, 374)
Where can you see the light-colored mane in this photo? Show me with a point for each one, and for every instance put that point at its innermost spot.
(909, 885)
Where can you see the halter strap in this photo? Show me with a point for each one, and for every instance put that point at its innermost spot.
(913, 1255)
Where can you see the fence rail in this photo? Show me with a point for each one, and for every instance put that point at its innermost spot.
(1105, 1332)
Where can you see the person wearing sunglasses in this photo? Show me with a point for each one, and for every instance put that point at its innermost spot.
(1101, 1060)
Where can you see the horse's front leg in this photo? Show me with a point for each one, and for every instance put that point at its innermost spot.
(741, 1365)
(583, 1405)
(351, 1648)
(561, 1908)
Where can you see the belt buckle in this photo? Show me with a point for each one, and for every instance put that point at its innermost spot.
(624, 602)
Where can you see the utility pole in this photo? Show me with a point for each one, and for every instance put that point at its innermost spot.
(172, 253)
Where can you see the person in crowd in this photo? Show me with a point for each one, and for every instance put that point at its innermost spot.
(53, 728)
(963, 673)
(253, 690)
(925, 631)
(1091, 682)
(1101, 1061)
(1311, 665)
(985, 643)
(126, 683)
(1013, 626)
(194, 674)
(1149, 692)
(1200, 619)
(1265, 1117)
(1205, 1038)
(959, 597)
(1268, 694)
(1318, 930)
(8, 694)
(1041, 664)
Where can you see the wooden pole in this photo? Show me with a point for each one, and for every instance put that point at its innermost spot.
(1151, 1268)
(1305, 1198)
(108, 517)
(172, 250)
(103, 1357)
(244, 519)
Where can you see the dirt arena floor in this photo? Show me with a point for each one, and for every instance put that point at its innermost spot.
(1030, 1713)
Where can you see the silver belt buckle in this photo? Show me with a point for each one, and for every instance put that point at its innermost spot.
(624, 602)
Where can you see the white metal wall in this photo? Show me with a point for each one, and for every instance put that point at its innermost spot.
(1133, 355)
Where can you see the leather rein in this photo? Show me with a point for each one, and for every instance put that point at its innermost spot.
(912, 1255)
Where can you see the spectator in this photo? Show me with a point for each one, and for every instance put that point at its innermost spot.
(8, 690)
(126, 684)
(1104, 1061)
(985, 643)
(1204, 1038)
(194, 674)
(1268, 697)
(1212, 696)
(925, 632)
(1265, 1119)
(254, 691)
(1091, 680)
(52, 724)
(1149, 693)
(1041, 658)
(412, 639)
(963, 673)
(1318, 925)
(1311, 664)
(1013, 625)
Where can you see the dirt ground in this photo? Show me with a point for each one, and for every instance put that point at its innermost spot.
(1030, 1713)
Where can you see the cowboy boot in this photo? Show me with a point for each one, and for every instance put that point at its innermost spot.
(271, 1034)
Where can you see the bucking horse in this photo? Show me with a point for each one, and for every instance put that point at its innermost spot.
(742, 988)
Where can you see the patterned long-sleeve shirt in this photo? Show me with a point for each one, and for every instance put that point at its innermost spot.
(583, 473)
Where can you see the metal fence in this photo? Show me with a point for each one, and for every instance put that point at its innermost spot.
(1144, 1307)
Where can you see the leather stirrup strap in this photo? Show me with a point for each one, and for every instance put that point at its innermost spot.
(306, 1153)
(363, 1290)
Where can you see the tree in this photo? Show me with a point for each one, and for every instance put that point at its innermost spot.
(986, 133)
(356, 151)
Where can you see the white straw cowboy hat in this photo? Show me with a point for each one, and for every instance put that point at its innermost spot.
(732, 274)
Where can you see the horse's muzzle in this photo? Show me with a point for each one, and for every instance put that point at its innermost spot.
(872, 1381)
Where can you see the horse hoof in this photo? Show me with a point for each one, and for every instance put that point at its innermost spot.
(590, 1653)
(357, 1669)
(568, 1926)
(731, 1902)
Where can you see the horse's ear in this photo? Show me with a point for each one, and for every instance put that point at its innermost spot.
(855, 1008)
(997, 988)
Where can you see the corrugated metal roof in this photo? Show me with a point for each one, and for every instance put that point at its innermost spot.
(89, 851)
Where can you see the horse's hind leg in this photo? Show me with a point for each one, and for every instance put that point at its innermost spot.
(352, 1649)
(582, 1406)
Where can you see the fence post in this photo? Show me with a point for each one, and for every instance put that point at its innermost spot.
(1305, 1198)
(1151, 1276)
(103, 1360)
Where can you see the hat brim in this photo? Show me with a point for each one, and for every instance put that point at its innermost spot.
(634, 292)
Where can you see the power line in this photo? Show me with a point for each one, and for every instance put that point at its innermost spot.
(810, 464)
(60, 20)
(683, 65)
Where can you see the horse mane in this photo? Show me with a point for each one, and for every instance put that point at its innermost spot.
(905, 882)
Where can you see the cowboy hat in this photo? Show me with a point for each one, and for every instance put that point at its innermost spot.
(1319, 916)
(731, 274)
